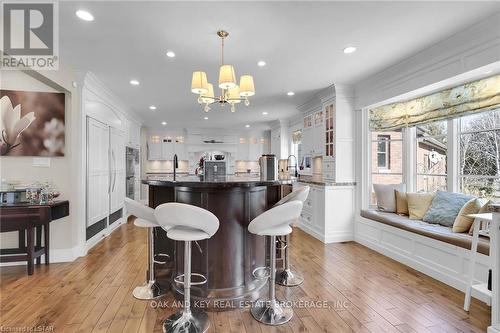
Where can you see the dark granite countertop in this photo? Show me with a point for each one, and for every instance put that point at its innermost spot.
(223, 181)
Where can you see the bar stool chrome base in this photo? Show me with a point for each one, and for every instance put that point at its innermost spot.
(288, 278)
(271, 312)
(149, 290)
(193, 321)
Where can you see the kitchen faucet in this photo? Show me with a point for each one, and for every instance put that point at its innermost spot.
(296, 173)
(176, 165)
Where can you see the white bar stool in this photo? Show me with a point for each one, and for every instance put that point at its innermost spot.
(145, 218)
(187, 223)
(285, 276)
(272, 223)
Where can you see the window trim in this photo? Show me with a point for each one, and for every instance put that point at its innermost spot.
(386, 139)
(460, 176)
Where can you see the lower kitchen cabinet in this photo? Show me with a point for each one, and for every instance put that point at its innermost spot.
(328, 212)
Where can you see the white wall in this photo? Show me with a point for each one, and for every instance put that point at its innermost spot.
(474, 47)
(67, 173)
(63, 232)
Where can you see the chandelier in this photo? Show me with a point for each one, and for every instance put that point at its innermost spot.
(231, 92)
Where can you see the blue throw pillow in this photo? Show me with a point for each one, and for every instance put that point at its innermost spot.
(445, 207)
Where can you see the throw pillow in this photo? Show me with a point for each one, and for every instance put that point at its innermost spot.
(418, 203)
(484, 209)
(401, 203)
(463, 222)
(386, 197)
(445, 208)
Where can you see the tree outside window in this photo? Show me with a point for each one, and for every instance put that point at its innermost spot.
(480, 154)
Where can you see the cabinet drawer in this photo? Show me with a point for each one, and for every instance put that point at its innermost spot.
(308, 204)
(306, 218)
(329, 170)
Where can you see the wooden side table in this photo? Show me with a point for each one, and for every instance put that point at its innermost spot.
(27, 218)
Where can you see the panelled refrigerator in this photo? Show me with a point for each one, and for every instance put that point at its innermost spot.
(105, 176)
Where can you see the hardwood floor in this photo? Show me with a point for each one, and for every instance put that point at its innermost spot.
(366, 292)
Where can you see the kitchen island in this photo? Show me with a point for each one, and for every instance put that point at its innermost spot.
(227, 259)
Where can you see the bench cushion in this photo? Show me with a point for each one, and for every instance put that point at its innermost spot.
(434, 231)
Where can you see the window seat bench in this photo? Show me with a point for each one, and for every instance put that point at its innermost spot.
(431, 249)
(434, 231)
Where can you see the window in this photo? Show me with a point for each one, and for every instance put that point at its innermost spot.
(386, 159)
(383, 151)
(480, 154)
(431, 156)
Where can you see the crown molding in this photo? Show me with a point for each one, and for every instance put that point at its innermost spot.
(92, 83)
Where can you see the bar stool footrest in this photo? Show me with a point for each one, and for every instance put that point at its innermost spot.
(261, 273)
(180, 279)
(162, 258)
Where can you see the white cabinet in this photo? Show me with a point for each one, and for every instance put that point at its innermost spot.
(328, 212)
(307, 141)
(105, 191)
(98, 175)
(313, 134)
(154, 147)
(167, 148)
(117, 169)
(254, 149)
(162, 147)
(251, 148)
(318, 134)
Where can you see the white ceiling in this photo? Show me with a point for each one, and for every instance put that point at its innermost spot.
(301, 43)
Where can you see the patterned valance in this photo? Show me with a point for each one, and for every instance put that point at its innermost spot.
(472, 97)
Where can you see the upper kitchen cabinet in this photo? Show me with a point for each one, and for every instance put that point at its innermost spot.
(312, 134)
(162, 146)
(133, 131)
(328, 131)
(252, 146)
(154, 147)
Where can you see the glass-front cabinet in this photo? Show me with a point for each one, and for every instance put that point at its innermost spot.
(329, 130)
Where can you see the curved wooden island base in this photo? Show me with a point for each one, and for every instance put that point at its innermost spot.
(230, 256)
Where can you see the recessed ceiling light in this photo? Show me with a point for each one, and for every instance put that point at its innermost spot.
(265, 113)
(290, 93)
(349, 49)
(206, 118)
(134, 82)
(84, 15)
(170, 54)
(261, 63)
(247, 126)
(152, 107)
(163, 123)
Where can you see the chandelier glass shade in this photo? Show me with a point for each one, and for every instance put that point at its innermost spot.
(231, 92)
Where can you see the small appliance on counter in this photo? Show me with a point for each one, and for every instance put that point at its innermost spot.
(268, 167)
(214, 169)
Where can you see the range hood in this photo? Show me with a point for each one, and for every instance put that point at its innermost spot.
(212, 141)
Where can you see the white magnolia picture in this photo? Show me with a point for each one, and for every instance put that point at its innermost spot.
(32, 123)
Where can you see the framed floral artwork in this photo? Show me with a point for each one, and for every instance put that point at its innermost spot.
(32, 123)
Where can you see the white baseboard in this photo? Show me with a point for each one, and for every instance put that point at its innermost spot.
(442, 261)
(334, 237)
(56, 256)
(492, 329)
(71, 254)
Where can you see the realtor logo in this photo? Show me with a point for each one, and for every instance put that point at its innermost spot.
(29, 35)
